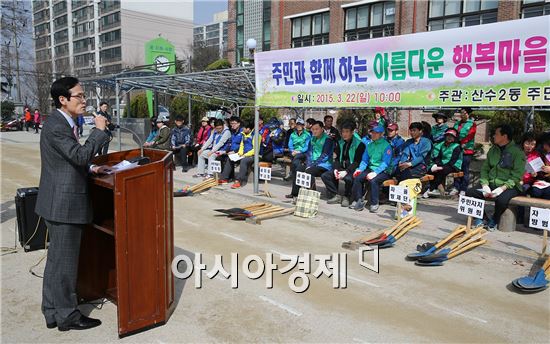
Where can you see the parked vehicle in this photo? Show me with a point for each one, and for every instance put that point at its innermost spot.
(13, 124)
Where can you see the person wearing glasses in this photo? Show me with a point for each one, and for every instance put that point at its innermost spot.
(64, 202)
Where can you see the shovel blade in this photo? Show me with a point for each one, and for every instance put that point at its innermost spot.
(416, 255)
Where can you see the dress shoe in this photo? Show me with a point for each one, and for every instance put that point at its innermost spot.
(82, 323)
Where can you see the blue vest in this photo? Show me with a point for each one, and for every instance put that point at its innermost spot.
(236, 139)
(217, 138)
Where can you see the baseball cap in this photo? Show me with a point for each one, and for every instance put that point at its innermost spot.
(377, 129)
(204, 119)
(373, 123)
(300, 121)
(451, 131)
(163, 118)
(393, 126)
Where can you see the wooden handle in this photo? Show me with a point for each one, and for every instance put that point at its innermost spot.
(405, 225)
(457, 231)
(466, 236)
(252, 205)
(402, 224)
(466, 248)
(544, 241)
(469, 241)
(275, 214)
(404, 231)
(267, 211)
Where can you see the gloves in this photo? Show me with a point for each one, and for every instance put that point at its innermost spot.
(486, 190)
(343, 174)
(356, 173)
(371, 175)
(496, 192)
(436, 168)
(336, 174)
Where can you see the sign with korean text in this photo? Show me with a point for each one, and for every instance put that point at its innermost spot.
(303, 179)
(499, 64)
(471, 206)
(215, 167)
(399, 194)
(539, 218)
(265, 173)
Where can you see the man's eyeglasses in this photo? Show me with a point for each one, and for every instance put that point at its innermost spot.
(80, 96)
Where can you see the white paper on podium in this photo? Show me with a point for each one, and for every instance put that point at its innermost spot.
(123, 165)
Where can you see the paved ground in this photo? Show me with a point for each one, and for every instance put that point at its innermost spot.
(467, 300)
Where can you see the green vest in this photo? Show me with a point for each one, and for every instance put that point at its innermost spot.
(376, 150)
(298, 141)
(446, 153)
(463, 132)
(317, 146)
(355, 142)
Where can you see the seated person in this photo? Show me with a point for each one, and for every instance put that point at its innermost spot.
(246, 150)
(275, 141)
(309, 123)
(236, 138)
(446, 158)
(529, 145)
(291, 126)
(415, 155)
(541, 185)
(396, 143)
(181, 141)
(298, 145)
(501, 174)
(374, 167)
(440, 127)
(162, 140)
(154, 131)
(318, 157)
(218, 143)
(202, 136)
(331, 131)
(349, 151)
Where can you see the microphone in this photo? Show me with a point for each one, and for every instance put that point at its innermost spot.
(141, 160)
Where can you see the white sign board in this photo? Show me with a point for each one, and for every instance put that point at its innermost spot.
(265, 173)
(471, 206)
(215, 166)
(539, 218)
(399, 194)
(303, 179)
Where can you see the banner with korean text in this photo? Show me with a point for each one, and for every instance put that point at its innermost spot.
(500, 64)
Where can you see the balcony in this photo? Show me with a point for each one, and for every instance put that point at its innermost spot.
(85, 48)
(105, 60)
(40, 44)
(110, 7)
(109, 26)
(85, 33)
(76, 4)
(38, 5)
(110, 43)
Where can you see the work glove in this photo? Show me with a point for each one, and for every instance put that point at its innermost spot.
(496, 192)
(356, 173)
(343, 174)
(371, 175)
(436, 168)
(486, 190)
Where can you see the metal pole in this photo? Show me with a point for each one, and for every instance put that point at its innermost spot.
(256, 139)
(16, 46)
(238, 111)
(117, 94)
(189, 110)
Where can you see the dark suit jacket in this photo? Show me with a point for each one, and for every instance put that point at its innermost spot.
(63, 193)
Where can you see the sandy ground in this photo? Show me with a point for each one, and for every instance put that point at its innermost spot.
(466, 300)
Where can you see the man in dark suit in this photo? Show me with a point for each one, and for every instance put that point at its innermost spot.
(103, 108)
(64, 203)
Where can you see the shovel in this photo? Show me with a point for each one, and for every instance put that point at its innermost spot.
(525, 290)
(390, 232)
(397, 234)
(446, 253)
(454, 234)
(537, 281)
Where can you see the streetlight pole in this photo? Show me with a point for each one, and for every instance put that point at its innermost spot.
(16, 45)
(251, 45)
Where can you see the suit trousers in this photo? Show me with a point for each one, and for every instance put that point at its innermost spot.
(59, 299)
(501, 202)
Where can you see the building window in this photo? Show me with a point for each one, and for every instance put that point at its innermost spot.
(266, 30)
(239, 53)
(110, 38)
(310, 30)
(110, 21)
(61, 36)
(451, 14)
(110, 55)
(535, 8)
(59, 8)
(370, 21)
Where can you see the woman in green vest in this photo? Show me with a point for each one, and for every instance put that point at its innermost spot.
(446, 158)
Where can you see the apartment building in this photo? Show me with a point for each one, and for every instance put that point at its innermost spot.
(90, 37)
(213, 34)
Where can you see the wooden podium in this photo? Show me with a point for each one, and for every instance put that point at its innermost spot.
(126, 253)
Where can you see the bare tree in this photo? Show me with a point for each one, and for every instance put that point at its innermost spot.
(203, 56)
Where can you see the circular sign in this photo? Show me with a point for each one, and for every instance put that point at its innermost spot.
(162, 63)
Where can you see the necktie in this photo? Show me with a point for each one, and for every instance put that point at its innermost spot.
(75, 132)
